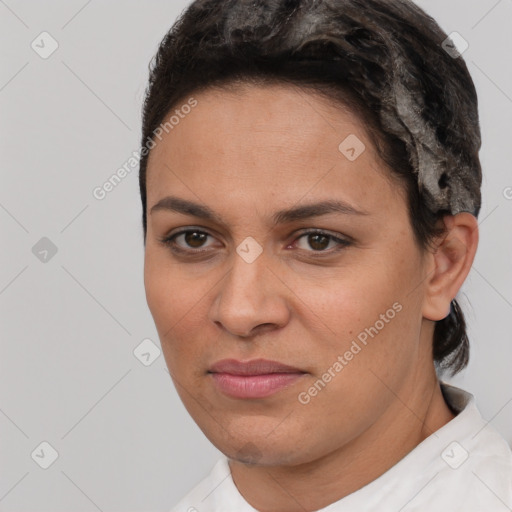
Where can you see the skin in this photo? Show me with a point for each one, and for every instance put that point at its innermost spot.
(246, 155)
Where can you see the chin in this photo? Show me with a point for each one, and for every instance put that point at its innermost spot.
(251, 455)
(259, 450)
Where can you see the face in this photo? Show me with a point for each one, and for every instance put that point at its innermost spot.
(252, 271)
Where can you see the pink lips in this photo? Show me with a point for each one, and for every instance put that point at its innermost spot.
(258, 378)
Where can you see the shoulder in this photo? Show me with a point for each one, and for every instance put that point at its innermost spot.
(475, 477)
(477, 461)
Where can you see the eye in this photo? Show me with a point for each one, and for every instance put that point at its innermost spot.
(192, 240)
(320, 241)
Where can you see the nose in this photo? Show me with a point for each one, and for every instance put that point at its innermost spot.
(251, 299)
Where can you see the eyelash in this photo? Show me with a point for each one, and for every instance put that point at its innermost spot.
(171, 243)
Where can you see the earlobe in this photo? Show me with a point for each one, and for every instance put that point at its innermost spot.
(451, 261)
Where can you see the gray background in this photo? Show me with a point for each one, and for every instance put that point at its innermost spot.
(69, 325)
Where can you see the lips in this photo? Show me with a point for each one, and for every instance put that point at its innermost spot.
(259, 378)
(253, 367)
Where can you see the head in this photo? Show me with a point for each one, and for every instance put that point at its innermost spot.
(255, 112)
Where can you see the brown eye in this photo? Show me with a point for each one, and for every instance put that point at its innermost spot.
(195, 239)
(320, 242)
(187, 240)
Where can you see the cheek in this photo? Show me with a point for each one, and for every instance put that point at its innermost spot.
(170, 293)
(158, 288)
(178, 302)
(367, 313)
(357, 369)
(348, 300)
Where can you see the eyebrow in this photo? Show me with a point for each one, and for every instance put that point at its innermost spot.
(308, 211)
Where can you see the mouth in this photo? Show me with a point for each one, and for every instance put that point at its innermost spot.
(258, 378)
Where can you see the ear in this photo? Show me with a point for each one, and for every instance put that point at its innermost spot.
(449, 264)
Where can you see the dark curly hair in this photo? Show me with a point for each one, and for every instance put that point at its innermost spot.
(385, 60)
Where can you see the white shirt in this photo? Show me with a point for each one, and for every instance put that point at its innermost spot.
(464, 466)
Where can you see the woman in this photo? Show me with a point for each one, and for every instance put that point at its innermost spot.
(310, 192)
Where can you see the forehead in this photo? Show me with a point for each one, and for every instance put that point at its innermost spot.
(267, 141)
